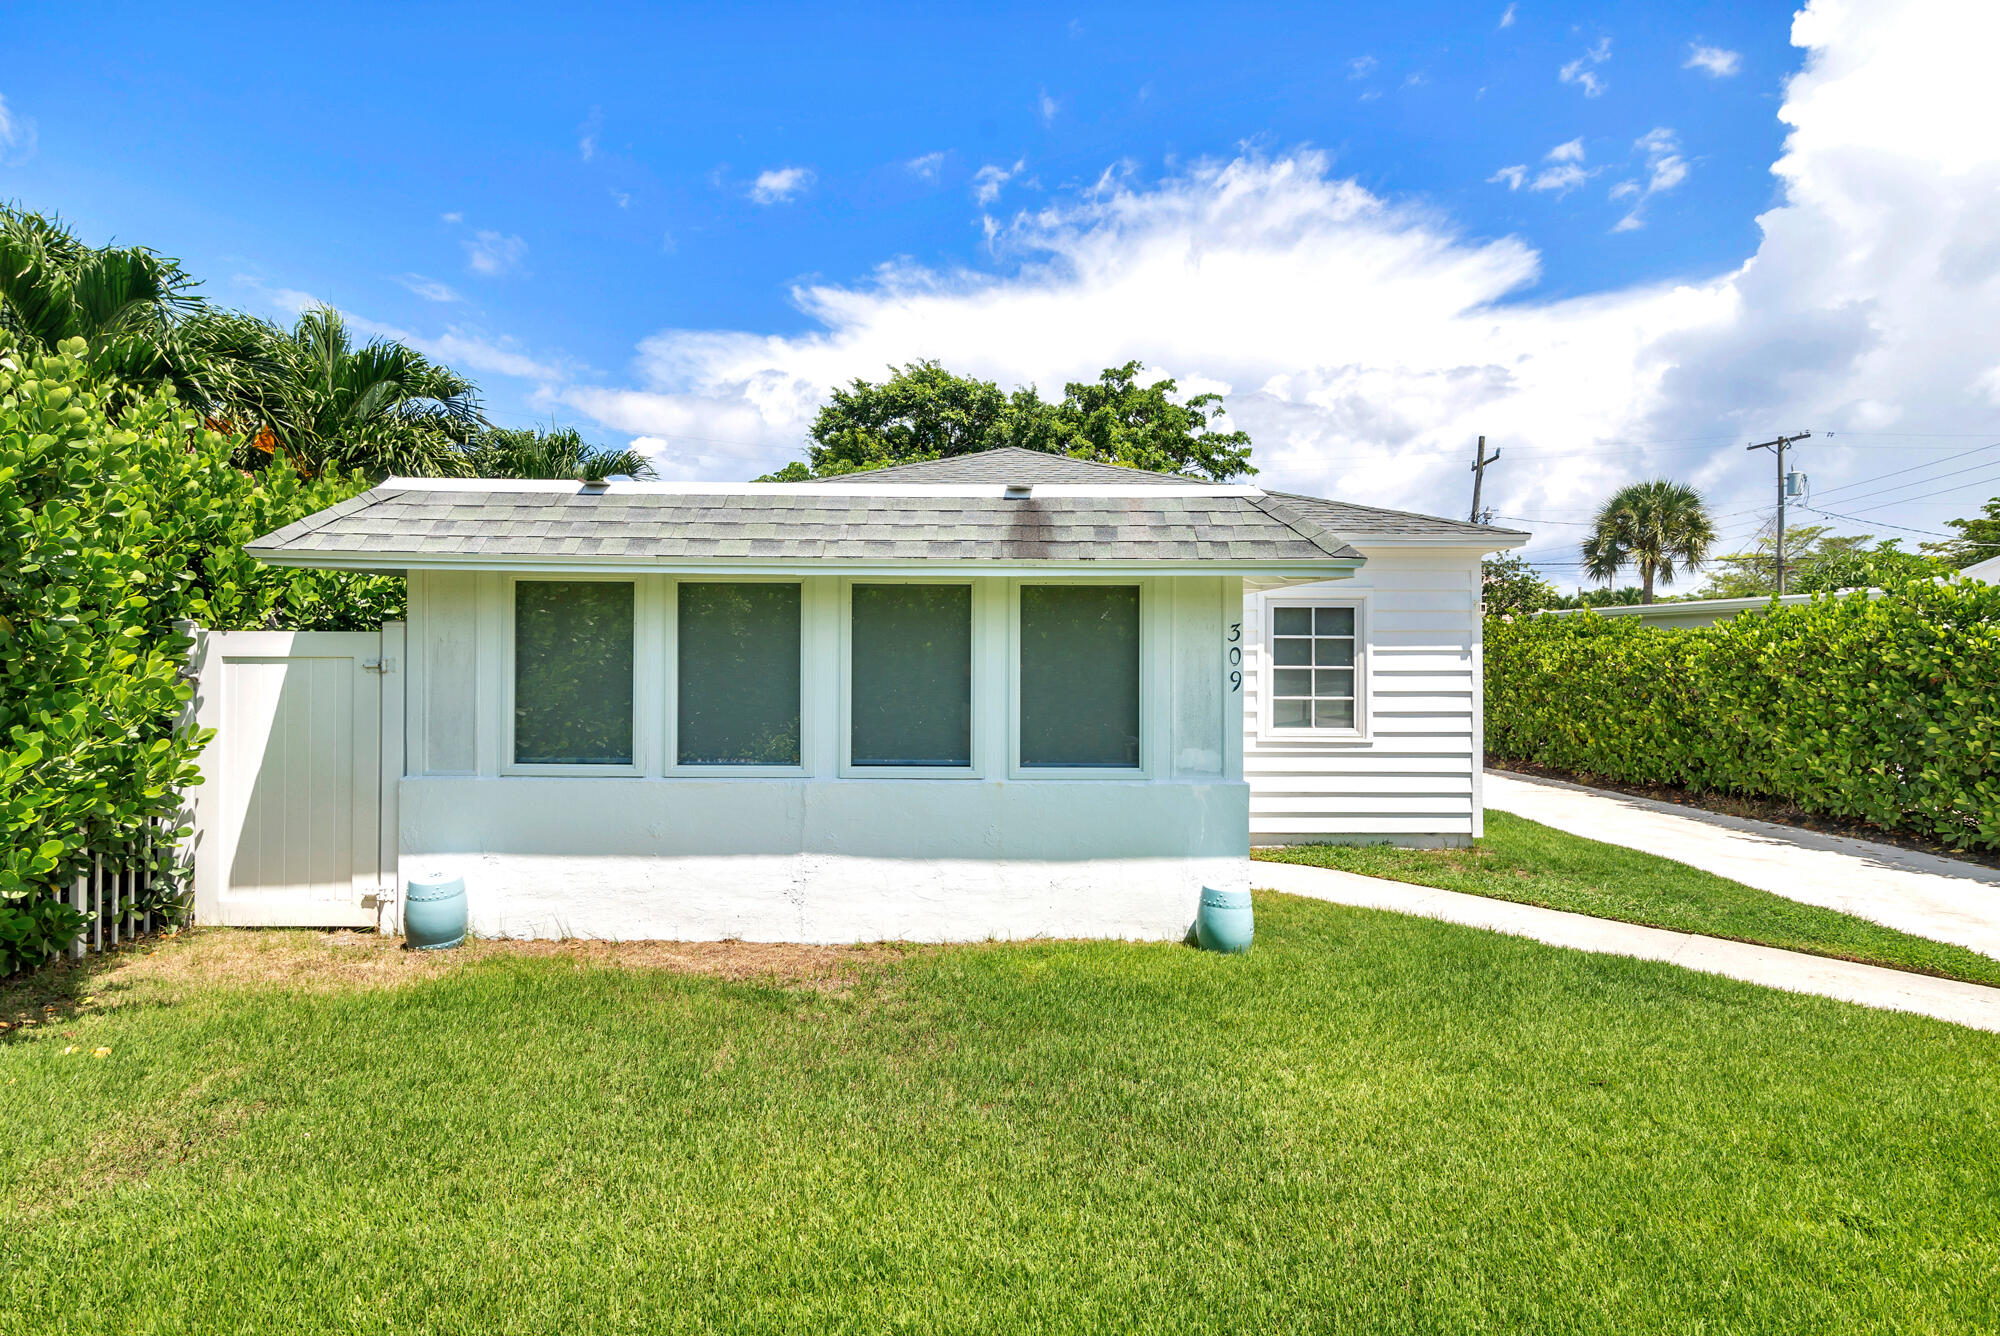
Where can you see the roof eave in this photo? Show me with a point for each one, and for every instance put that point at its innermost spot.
(1327, 568)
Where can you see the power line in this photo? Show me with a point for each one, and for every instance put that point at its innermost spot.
(1863, 482)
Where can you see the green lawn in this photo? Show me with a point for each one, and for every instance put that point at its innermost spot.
(1370, 1123)
(1533, 864)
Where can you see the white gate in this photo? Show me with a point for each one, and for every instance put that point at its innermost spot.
(295, 818)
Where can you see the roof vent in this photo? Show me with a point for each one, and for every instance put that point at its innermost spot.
(594, 486)
(1019, 491)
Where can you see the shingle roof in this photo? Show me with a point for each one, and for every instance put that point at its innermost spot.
(1361, 523)
(434, 523)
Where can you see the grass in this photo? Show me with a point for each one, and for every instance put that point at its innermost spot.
(1370, 1123)
(1533, 864)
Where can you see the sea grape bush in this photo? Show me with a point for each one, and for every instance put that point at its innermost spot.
(114, 525)
(1884, 710)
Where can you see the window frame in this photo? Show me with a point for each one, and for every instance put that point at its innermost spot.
(1148, 748)
(670, 673)
(510, 667)
(975, 688)
(1267, 616)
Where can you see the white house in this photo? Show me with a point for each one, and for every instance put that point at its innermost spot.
(1987, 571)
(1004, 695)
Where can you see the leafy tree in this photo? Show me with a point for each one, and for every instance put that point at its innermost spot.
(923, 411)
(530, 452)
(1978, 538)
(1656, 526)
(1816, 561)
(1509, 584)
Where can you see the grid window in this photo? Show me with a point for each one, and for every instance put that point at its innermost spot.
(910, 675)
(1080, 676)
(1312, 667)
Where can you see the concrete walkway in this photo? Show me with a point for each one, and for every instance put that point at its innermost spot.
(1869, 985)
(1940, 898)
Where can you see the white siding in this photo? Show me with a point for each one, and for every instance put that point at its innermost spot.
(1412, 777)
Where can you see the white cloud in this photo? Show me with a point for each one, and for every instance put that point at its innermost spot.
(1507, 16)
(492, 253)
(1361, 67)
(1665, 169)
(1367, 342)
(926, 166)
(459, 347)
(17, 135)
(1564, 173)
(1582, 70)
(1512, 177)
(1562, 178)
(988, 180)
(622, 198)
(1046, 108)
(1569, 151)
(780, 185)
(451, 217)
(1714, 61)
(428, 288)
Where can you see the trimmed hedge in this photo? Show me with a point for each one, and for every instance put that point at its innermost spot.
(115, 522)
(1885, 711)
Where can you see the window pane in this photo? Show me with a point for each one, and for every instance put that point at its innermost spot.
(1333, 714)
(739, 674)
(572, 672)
(1291, 651)
(1292, 682)
(1080, 675)
(1333, 682)
(1335, 653)
(911, 675)
(1291, 713)
(1292, 621)
(1333, 621)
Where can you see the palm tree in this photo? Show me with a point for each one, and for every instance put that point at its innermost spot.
(381, 408)
(528, 452)
(1651, 525)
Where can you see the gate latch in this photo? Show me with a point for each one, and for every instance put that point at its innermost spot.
(381, 665)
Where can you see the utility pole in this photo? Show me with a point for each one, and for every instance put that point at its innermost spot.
(1778, 447)
(1480, 459)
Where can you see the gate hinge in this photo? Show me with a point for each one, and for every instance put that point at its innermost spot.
(380, 665)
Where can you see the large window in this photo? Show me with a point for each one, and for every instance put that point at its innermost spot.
(572, 672)
(1080, 676)
(1313, 668)
(910, 675)
(739, 674)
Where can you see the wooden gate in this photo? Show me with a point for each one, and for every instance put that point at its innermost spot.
(295, 817)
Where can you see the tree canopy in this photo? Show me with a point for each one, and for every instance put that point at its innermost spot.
(1658, 527)
(923, 411)
(1978, 538)
(1817, 561)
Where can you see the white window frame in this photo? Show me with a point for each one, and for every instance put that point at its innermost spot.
(643, 598)
(1267, 729)
(1149, 749)
(976, 689)
(671, 675)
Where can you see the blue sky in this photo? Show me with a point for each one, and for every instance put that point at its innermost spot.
(619, 216)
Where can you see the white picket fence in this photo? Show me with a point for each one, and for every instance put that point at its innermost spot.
(110, 897)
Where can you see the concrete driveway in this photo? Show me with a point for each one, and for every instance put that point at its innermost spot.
(1939, 898)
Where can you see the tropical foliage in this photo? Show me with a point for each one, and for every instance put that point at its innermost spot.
(1659, 527)
(1817, 561)
(1978, 538)
(1883, 710)
(923, 411)
(557, 453)
(121, 515)
(1509, 584)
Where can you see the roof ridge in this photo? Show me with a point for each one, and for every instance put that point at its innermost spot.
(1324, 539)
(319, 519)
(1406, 514)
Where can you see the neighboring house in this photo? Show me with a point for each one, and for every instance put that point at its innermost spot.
(1004, 695)
(1987, 571)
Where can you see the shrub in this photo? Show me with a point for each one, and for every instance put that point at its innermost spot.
(112, 528)
(1885, 711)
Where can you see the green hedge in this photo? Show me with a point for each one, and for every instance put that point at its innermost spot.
(118, 517)
(1885, 711)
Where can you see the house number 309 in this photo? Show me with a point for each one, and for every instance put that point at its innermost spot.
(1235, 657)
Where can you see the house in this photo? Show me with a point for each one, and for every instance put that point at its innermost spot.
(1987, 571)
(1003, 695)
(1683, 613)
